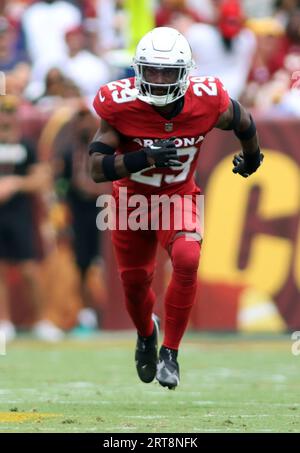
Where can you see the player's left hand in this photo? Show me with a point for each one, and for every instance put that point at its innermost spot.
(246, 167)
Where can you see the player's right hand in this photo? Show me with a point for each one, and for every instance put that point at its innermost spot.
(163, 153)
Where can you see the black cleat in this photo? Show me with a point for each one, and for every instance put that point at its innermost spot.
(168, 368)
(146, 354)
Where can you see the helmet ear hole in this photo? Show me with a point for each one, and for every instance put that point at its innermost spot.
(163, 51)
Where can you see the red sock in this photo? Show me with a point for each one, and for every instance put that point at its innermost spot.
(139, 298)
(181, 291)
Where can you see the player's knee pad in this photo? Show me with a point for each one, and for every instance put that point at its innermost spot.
(185, 256)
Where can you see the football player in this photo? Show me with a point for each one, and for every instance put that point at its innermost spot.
(150, 135)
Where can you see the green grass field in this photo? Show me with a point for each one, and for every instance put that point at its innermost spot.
(228, 384)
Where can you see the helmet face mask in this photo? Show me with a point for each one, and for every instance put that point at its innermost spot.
(161, 85)
(162, 64)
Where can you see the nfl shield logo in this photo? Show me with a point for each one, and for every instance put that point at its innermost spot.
(168, 127)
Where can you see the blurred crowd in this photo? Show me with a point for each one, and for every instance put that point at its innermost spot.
(53, 49)
(55, 54)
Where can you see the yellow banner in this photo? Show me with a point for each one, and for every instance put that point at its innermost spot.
(141, 20)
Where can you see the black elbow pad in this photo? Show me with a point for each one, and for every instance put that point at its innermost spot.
(236, 118)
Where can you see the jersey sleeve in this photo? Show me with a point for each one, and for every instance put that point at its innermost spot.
(103, 104)
(224, 99)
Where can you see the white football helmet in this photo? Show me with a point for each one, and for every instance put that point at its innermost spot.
(167, 52)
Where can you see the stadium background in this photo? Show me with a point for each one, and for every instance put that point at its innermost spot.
(249, 277)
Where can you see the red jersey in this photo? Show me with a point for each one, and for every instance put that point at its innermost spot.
(140, 125)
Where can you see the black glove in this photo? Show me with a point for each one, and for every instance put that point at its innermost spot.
(246, 164)
(164, 153)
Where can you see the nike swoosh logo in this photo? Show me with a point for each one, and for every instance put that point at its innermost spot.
(102, 98)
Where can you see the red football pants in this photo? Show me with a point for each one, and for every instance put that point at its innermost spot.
(135, 253)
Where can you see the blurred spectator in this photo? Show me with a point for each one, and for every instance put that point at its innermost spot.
(167, 9)
(20, 176)
(259, 8)
(54, 89)
(86, 70)
(45, 23)
(54, 83)
(206, 9)
(71, 91)
(292, 41)
(225, 51)
(88, 7)
(92, 36)
(13, 9)
(81, 198)
(282, 61)
(57, 89)
(17, 80)
(287, 100)
(10, 56)
(113, 23)
(284, 8)
(269, 33)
